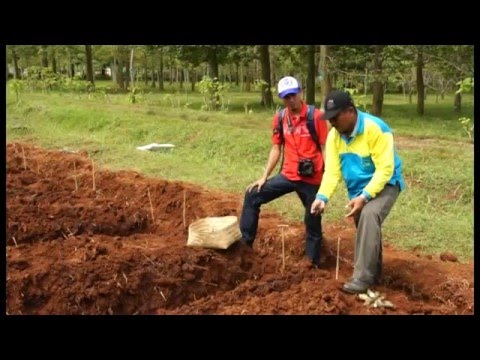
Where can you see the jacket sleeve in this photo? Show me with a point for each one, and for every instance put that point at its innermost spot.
(382, 152)
(333, 172)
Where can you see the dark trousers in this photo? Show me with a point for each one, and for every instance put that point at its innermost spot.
(274, 188)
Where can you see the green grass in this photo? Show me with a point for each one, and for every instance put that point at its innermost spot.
(228, 149)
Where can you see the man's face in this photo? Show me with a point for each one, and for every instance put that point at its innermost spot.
(292, 101)
(344, 122)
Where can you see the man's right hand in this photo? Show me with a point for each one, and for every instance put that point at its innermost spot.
(317, 207)
(259, 183)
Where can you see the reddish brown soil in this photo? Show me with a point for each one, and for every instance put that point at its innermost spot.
(99, 252)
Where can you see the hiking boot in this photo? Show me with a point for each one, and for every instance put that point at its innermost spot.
(355, 286)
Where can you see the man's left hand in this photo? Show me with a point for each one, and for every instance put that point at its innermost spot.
(356, 205)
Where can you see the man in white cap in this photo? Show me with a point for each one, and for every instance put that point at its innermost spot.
(302, 134)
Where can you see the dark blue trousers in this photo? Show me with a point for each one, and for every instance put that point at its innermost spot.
(275, 187)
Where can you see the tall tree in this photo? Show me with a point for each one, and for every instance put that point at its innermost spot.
(311, 75)
(377, 85)
(16, 69)
(267, 99)
(212, 61)
(161, 85)
(52, 54)
(420, 84)
(44, 56)
(89, 65)
(326, 85)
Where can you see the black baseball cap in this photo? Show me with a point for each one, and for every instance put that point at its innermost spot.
(335, 102)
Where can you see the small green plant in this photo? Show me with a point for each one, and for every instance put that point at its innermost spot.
(359, 100)
(17, 86)
(467, 126)
(213, 92)
(465, 85)
(133, 95)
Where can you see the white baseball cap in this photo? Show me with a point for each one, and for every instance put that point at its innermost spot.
(288, 85)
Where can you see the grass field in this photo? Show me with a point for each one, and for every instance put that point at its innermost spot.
(228, 149)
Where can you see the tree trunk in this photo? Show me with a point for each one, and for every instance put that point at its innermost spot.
(267, 99)
(113, 72)
(72, 69)
(131, 71)
(88, 53)
(161, 86)
(54, 64)
(153, 78)
(247, 80)
(420, 84)
(180, 77)
(377, 85)
(457, 106)
(16, 70)
(44, 56)
(326, 84)
(242, 79)
(311, 75)
(365, 82)
(119, 74)
(127, 77)
(212, 62)
(236, 74)
(193, 78)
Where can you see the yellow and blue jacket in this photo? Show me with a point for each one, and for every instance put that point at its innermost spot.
(367, 160)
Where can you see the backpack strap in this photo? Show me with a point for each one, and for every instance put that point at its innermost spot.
(281, 113)
(311, 125)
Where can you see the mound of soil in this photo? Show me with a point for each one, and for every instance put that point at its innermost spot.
(78, 248)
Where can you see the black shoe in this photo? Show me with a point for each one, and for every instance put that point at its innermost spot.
(355, 286)
(250, 245)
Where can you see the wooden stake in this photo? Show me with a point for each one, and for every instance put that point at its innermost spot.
(24, 159)
(74, 176)
(184, 208)
(338, 258)
(283, 245)
(93, 175)
(151, 206)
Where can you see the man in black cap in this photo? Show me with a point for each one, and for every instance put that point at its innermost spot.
(360, 149)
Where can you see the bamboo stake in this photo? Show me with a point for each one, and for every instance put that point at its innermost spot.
(93, 175)
(184, 208)
(74, 176)
(338, 258)
(151, 206)
(24, 159)
(283, 245)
